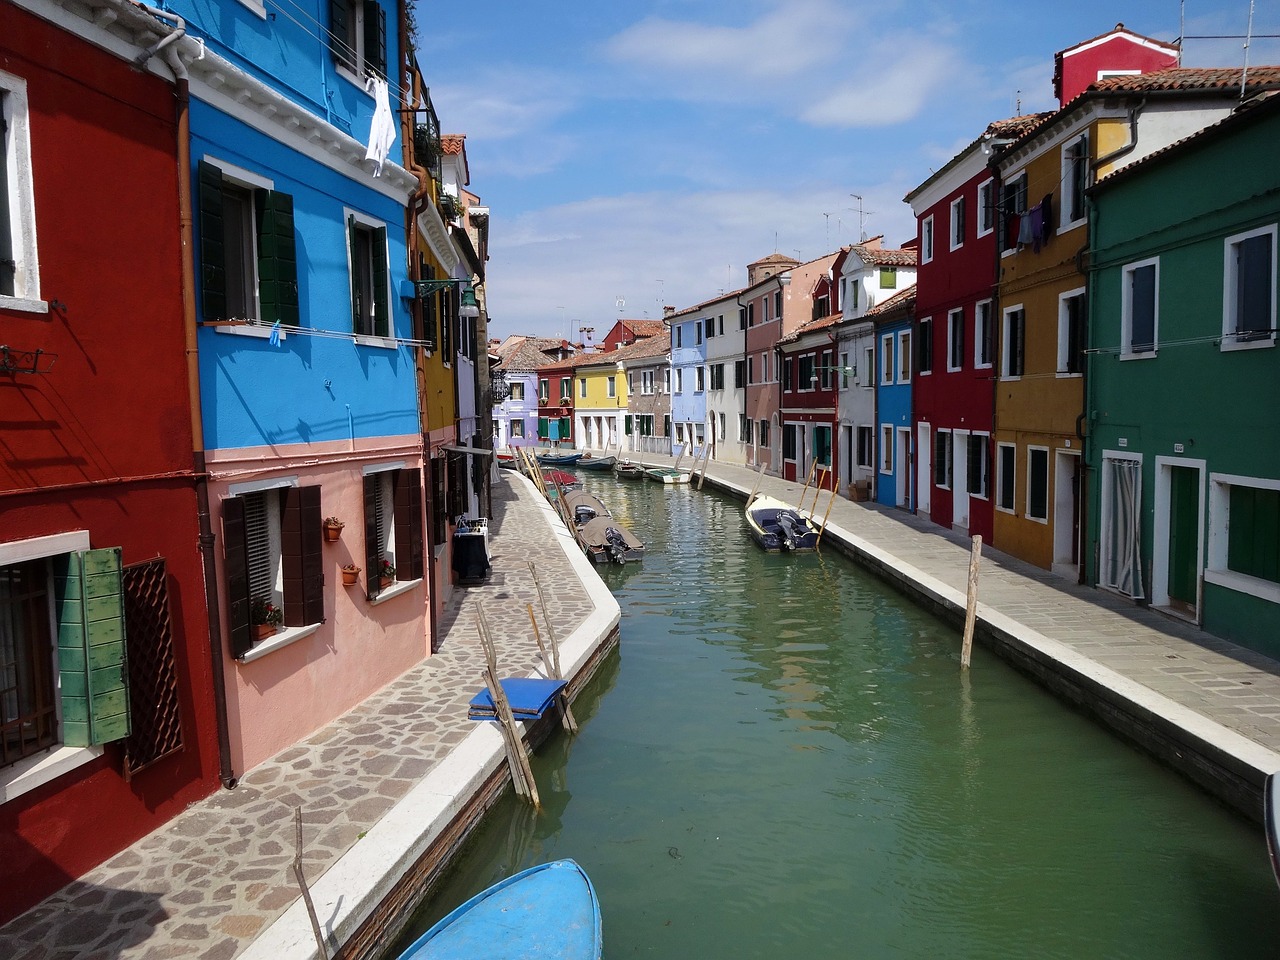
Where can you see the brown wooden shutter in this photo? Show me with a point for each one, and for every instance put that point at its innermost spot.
(300, 537)
(235, 553)
(372, 554)
(409, 545)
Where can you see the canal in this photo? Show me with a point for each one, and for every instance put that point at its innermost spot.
(786, 761)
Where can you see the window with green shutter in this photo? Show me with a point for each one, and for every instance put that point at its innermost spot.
(358, 36)
(367, 248)
(91, 647)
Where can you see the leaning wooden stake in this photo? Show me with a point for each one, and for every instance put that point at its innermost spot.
(807, 480)
(566, 713)
(706, 459)
(971, 603)
(823, 529)
(759, 475)
(517, 757)
(302, 882)
(555, 648)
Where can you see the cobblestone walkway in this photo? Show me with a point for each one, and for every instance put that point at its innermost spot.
(210, 881)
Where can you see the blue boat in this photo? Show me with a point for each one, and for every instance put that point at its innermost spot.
(549, 910)
(559, 459)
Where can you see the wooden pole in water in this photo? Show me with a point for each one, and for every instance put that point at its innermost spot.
(808, 478)
(823, 529)
(567, 719)
(971, 603)
(302, 882)
(759, 475)
(517, 757)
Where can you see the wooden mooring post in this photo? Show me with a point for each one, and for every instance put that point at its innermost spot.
(570, 722)
(517, 756)
(971, 603)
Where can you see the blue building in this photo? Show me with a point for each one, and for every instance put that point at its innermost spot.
(895, 365)
(308, 389)
(516, 417)
(688, 380)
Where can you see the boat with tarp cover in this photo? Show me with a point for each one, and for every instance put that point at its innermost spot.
(778, 527)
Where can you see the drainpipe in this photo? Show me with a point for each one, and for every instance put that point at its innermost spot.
(185, 231)
(1119, 152)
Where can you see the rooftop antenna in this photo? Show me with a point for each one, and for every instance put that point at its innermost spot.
(564, 326)
(827, 217)
(1244, 73)
(862, 218)
(1017, 103)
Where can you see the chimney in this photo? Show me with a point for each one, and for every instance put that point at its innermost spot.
(668, 311)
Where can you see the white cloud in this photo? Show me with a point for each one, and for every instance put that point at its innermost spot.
(502, 104)
(885, 93)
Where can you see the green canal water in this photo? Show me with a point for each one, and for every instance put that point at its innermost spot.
(785, 761)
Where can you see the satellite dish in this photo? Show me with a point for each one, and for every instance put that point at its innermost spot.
(619, 303)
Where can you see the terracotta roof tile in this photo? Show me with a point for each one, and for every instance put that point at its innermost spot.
(1190, 78)
(644, 328)
(881, 257)
(900, 299)
(452, 143)
(821, 323)
(529, 354)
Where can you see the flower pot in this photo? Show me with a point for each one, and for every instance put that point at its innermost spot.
(333, 532)
(350, 575)
(385, 582)
(263, 630)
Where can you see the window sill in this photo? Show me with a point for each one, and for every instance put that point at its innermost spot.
(1230, 343)
(23, 305)
(248, 330)
(255, 6)
(1138, 355)
(397, 588)
(282, 639)
(1243, 583)
(1065, 375)
(25, 775)
(382, 343)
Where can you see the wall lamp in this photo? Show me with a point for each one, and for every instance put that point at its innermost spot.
(419, 289)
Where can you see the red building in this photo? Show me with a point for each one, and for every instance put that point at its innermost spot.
(810, 395)
(555, 403)
(1117, 52)
(107, 719)
(762, 308)
(953, 398)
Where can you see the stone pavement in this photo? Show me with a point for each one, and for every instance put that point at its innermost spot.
(214, 879)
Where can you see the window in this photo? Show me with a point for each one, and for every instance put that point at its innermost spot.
(679, 332)
(646, 383)
(844, 371)
(957, 222)
(582, 388)
(764, 368)
(785, 365)
(517, 429)
(611, 386)
(777, 304)
(924, 345)
(666, 381)
(1071, 332)
(1249, 288)
(1038, 483)
(248, 255)
(979, 464)
(1139, 310)
(888, 278)
(886, 359)
(697, 331)
(358, 36)
(751, 370)
(717, 378)
(805, 378)
(744, 428)
(1244, 537)
(566, 388)
(1011, 358)
(679, 379)
(886, 448)
(764, 433)
(1013, 204)
(722, 424)
(982, 334)
(742, 318)
(370, 281)
(869, 366)
(271, 541)
(926, 241)
(789, 441)
(19, 262)
(865, 445)
(1075, 180)
(1005, 475)
(986, 207)
(904, 356)
(955, 340)
(825, 370)
(700, 375)
(544, 390)
(751, 314)
(822, 445)
(631, 381)
(740, 373)
(942, 463)
(854, 287)
(517, 390)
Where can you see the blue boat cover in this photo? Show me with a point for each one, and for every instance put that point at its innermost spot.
(546, 911)
(529, 697)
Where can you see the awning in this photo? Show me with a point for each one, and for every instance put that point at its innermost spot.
(474, 451)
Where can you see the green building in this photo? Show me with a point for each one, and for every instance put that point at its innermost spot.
(1183, 380)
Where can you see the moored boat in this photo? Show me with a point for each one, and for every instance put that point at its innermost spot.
(667, 474)
(584, 507)
(550, 910)
(626, 470)
(551, 459)
(589, 462)
(1271, 819)
(558, 479)
(778, 527)
(607, 541)
(507, 461)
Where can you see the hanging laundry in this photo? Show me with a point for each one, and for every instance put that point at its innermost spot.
(1046, 210)
(1035, 227)
(382, 132)
(1026, 231)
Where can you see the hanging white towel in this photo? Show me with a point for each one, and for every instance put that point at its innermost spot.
(382, 132)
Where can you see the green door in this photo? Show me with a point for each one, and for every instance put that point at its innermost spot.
(1184, 540)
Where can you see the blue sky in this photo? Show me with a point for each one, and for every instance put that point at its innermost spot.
(647, 151)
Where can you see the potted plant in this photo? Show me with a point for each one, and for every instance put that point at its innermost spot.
(386, 572)
(350, 573)
(332, 528)
(265, 617)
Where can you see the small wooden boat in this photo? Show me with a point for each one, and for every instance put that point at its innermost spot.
(607, 541)
(778, 527)
(667, 475)
(626, 470)
(589, 462)
(1271, 819)
(559, 479)
(550, 910)
(507, 461)
(584, 507)
(559, 459)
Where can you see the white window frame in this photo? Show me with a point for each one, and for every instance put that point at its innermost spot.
(1068, 184)
(905, 356)
(1000, 474)
(955, 324)
(1064, 345)
(611, 386)
(1011, 185)
(699, 379)
(870, 448)
(957, 225)
(370, 223)
(1033, 449)
(516, 430)
(357, 49)
(986, 220)
(582, 388)
(1006, 354)
(926, 239)
(983, 309)
(986, 463)
(646, 383)
(1230, 337)
(943, 458)
(22, 198)
(886, 447)
(886, 359)
(248, 180)
(869, 367)
(1216, 570)
(517, 390)
(1126, 310)
(679, 380)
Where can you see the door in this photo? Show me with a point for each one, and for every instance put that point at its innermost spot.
(1066, 513)
(1184, 538)
(902, 473)
(960, 480)
(924, 470)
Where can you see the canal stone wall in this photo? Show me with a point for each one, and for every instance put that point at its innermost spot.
(1206, 707)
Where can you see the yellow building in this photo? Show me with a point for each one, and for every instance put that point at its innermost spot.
(599, 400)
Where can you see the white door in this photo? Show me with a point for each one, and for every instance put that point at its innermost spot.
(1066, 513)
(903, 473)
(960, 480)
(924, 475)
